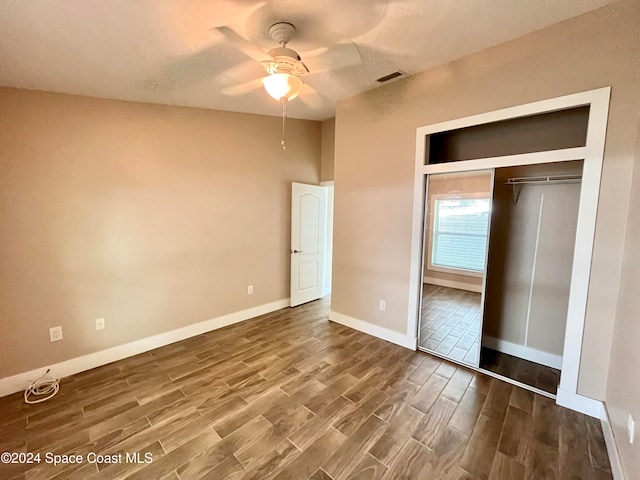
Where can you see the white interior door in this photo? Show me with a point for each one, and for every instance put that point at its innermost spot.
(308, 231)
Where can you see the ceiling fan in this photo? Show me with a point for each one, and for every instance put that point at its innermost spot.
(283, 65)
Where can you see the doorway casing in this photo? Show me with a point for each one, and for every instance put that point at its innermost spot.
(592, 154)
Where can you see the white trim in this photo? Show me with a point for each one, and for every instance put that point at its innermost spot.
(585, 234)
(579, 403)
(328, 242)
(418, 233)
(550, 156)
(328, 183)
(469, 287)
(523, 351)
(612, 449)
(592, 154)
(375, 330)
(19, 382)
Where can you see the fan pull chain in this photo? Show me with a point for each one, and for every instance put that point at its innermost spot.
(284, 122)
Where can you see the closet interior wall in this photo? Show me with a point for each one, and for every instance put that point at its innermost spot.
(533, 231)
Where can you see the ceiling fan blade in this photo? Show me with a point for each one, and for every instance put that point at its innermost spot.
(244, 70)
(313, 98)
(245, 46)
(337, 56)
(242, 88)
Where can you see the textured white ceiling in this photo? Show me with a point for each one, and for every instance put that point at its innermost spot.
(167, 51)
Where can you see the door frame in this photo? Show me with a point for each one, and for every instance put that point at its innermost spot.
(295, 245)
(592, 154)
(328, 243)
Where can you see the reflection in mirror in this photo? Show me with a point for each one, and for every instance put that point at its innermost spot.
(458, 208)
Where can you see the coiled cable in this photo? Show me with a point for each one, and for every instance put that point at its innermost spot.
(44, 387)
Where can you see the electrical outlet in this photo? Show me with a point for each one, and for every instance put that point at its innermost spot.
(99, 323)
(55, 334)
(382, 306)
(631, 429)
(250, 290)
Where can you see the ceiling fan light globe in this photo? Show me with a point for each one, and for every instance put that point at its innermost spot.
(282, 85)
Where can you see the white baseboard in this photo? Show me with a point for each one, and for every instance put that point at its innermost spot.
(612, 448)
(579, 403)
(521, 351)
(19, 382)
(470, 287)
(375, 330)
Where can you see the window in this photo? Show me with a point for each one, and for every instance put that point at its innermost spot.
(460, 227)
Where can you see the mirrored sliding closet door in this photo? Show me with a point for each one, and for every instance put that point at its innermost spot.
(457, 219)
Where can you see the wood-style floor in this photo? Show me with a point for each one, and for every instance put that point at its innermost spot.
(530, 373)
(450, 323)
(292, 396)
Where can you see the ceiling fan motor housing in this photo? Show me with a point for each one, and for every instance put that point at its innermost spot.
(285, 60)
(285, 64)
(282, 32)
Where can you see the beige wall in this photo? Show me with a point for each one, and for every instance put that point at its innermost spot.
(623, 389)
(375, 150)
(454, 183)
(327, 150)
(152, 217)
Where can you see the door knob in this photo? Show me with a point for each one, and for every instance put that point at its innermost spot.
(296, 251)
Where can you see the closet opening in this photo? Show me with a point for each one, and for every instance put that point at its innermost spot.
(498, 256)
(528, 277)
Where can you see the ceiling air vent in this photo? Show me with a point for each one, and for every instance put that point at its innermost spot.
(391, 76)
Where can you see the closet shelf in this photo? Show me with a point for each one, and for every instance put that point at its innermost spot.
(541, 180)
(546, 179)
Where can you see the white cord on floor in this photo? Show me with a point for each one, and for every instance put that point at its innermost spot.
(45, 385)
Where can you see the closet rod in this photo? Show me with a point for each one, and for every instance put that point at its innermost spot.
(541, 180)
(544, 180)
